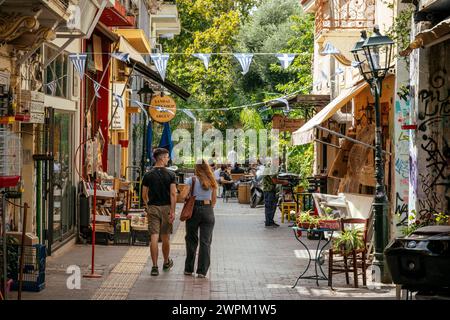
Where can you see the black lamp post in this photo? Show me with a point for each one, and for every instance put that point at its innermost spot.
(373, 56)
(145, 95)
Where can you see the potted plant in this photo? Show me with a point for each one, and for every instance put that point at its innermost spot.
(348, 241)
(307, 221)
(415, 223)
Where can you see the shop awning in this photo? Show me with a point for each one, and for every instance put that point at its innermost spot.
(152, 75)
(428, 37)
(137, 38)
(305, 134)
(126, 47)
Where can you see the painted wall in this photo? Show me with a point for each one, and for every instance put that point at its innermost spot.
(429, 148)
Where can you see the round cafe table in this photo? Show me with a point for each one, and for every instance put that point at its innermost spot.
(317, 259)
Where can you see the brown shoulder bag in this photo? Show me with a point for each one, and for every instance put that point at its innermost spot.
(188, 208)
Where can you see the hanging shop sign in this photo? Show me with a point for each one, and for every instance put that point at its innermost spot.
(285, 124)
(118, 105)
(162, 109)
(34, 102)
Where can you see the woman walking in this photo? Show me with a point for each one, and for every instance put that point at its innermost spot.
(204, 189)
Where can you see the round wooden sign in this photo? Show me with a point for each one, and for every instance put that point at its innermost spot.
(162, 109)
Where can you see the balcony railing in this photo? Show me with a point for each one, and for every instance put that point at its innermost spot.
(344, 14)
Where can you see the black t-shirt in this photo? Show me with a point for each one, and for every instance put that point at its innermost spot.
(237, 170)
(158, 181)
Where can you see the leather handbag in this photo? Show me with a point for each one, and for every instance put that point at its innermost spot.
(189, 202)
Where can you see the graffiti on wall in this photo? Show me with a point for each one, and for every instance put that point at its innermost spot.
(433, 131)
(401, 145)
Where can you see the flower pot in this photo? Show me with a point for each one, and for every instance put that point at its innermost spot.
(329, 224)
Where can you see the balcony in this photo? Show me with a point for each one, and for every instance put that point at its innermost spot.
(309, 6)
(117, 15)
(165, 21)
(344, 15)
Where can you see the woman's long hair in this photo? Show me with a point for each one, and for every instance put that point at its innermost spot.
(204, 173)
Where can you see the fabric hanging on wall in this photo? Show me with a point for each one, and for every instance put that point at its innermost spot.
(286, 59)
(245, 59)
(205, 57)
(79, 63)
(160, 61)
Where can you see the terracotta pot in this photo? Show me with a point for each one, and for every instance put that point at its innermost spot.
(329, 224)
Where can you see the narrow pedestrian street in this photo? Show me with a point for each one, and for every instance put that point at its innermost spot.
(249, 261)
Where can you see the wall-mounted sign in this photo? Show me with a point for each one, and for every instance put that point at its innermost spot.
(118, 123)
(32, 102)
(285, 124)
(163, 109)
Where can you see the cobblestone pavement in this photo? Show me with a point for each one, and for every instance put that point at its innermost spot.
(249, 261)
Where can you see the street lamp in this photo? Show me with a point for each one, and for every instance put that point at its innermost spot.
(373, 56)
(145, 95)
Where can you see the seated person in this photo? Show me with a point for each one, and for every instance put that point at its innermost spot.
(237, 169)
(225, 178)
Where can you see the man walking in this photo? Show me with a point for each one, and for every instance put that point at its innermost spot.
(160, 197)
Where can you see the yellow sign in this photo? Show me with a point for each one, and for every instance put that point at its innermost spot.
(124, 225)
(162, 109)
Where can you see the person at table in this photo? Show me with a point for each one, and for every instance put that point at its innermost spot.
(225, 178)
(237, 169)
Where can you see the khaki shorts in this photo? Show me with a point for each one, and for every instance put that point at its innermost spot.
(158, 220)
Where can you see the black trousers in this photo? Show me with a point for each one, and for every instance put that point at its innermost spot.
(202, 220)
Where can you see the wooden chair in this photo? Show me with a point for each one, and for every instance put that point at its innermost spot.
(338, 261)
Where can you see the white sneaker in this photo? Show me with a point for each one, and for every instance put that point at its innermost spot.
(202, 276)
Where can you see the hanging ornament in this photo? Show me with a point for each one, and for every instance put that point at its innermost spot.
(245, 59)
(160, 61)
(79, 63)
(286, 59)
(205, 57)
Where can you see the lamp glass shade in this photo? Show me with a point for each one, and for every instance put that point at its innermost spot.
(378, 51)
(360, 59)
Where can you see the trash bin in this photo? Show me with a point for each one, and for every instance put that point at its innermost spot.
(421, 261)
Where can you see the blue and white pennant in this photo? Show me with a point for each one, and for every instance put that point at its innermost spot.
(79, 63)
(245, 59)
(286, 59)
(160, 61)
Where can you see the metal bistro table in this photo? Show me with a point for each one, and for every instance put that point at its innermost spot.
(318, 260)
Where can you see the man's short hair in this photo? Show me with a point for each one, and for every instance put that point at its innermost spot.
(158, 152)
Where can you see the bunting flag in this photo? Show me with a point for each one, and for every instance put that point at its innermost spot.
(286, 59)
(339, 71)
(245, 59)
(329, 49)
(356, 64)
(97, 89)
(204, 57)
(79, 63)
(288, 109)
(119, 100)
(141, 106)
(125, 57)
(160, 61)
(189, 114)
(162, 109)
(52, 87)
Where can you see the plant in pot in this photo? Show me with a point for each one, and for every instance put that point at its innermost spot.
(348, 241)
(307, 221)
(328, 220)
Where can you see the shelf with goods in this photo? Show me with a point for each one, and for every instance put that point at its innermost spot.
(105, 208)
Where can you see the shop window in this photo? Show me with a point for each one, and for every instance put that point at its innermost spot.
(57, 70)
